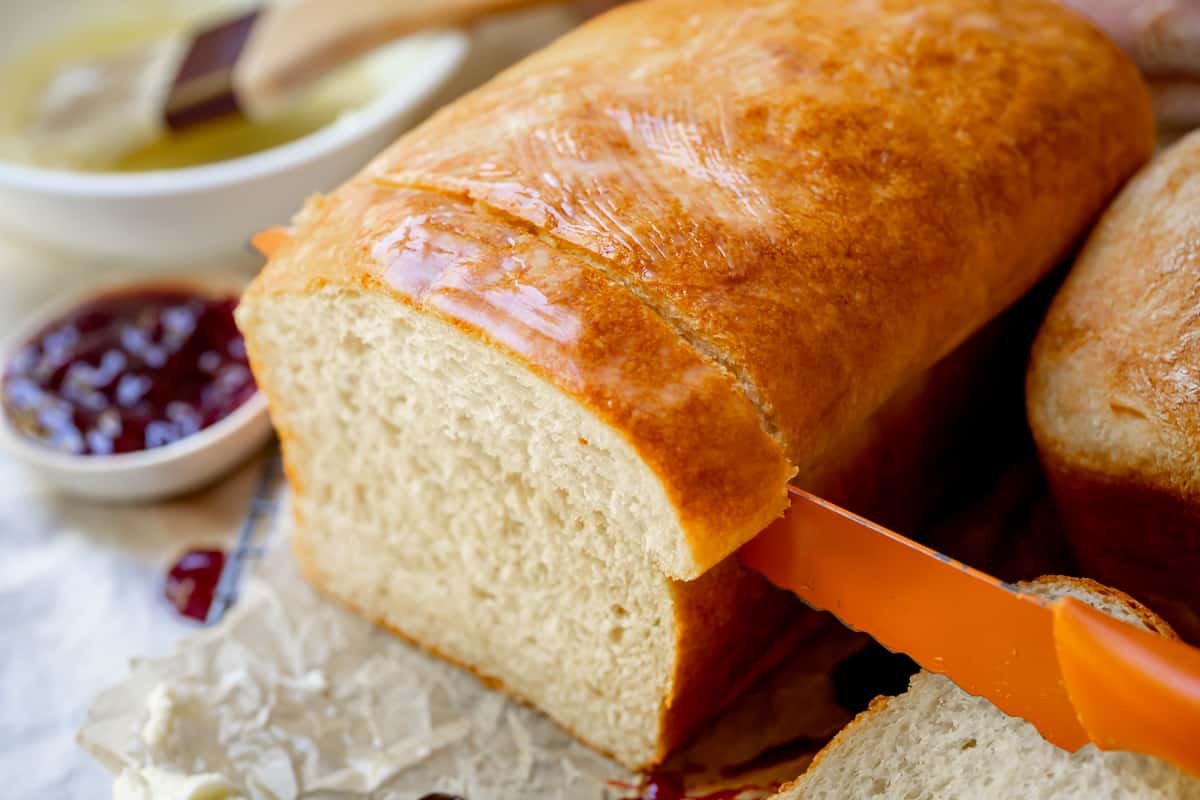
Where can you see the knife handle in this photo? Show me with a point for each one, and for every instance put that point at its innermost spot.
(1132, 689)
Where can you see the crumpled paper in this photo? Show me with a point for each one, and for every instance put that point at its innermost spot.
(292, 695)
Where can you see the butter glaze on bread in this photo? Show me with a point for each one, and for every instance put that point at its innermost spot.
(822, 197)
(1114, 391)
(545, 364)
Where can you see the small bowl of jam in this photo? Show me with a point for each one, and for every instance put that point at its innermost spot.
(133, 391)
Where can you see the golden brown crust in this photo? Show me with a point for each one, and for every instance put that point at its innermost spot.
(684, 416)
(820, 198)
(953, 427)
(1114, 391)
(824, 196)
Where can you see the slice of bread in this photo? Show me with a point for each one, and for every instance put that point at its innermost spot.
(936, 742)
(1114, 391)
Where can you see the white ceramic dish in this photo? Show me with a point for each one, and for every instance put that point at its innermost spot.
(188, 463)
(206, 213)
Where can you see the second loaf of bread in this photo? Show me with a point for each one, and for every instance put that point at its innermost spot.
(545, 364)
(1114, 391)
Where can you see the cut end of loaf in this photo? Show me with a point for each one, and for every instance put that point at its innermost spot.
(449, 493)
(691, 424)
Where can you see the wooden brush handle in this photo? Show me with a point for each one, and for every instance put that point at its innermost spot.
(297, 41)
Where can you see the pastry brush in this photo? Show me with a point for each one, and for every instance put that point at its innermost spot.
(252, 64)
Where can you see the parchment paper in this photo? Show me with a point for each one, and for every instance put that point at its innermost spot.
(291, 695)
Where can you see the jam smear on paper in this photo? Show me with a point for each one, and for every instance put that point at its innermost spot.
(192, 582)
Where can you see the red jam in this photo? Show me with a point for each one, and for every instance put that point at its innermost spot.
(192, 582)
(129, 371)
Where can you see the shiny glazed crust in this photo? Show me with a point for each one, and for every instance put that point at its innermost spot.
(1114, 391)
(496, 280)
(817, 200)
(825, 197)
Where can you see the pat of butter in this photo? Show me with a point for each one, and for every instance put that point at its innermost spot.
(154, 783)
(161, 708)
(157, 783)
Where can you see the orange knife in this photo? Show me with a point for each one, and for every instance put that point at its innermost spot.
(1075, 673)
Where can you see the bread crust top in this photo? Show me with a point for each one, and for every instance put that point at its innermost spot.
(685, 416)
(1114, 379)
(824, 196)
(817, 200)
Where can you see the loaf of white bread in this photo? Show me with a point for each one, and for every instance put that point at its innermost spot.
(936, 742)
(547, 362)
(1114, 391)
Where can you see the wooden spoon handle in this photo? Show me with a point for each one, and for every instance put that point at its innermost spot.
(297, 41)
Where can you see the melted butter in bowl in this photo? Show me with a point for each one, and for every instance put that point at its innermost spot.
(235, 136)
(25, 76)
(194, 201)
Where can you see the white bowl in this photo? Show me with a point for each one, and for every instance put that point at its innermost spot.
(206, 213)
(188, 463)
